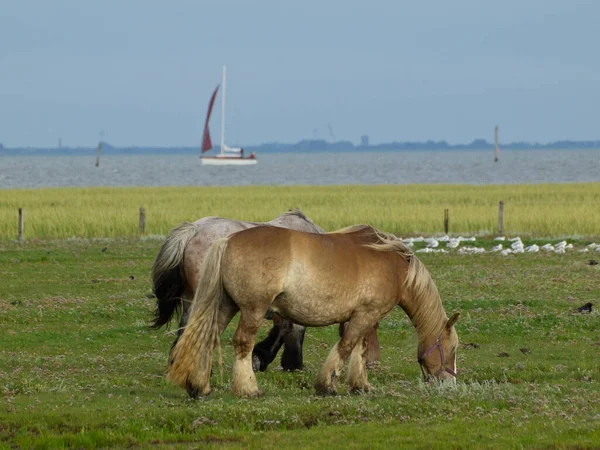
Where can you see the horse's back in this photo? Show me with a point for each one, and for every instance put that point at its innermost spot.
(209, 230)
(305, 272)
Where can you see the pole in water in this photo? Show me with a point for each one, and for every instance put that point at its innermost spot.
(496, 150)
(98, 154)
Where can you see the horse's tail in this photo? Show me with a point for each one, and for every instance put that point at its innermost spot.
(168, 278)
(190, 361)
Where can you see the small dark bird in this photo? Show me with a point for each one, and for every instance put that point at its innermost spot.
(150, 295)
(592, 262)
(104, 249)
(585, 309)
(131, 277)
(503, 355)
(525, 350)
(470, 345)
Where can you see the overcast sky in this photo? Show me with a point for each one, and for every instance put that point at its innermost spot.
(143, 71)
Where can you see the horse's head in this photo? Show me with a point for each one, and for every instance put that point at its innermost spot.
(438, 358)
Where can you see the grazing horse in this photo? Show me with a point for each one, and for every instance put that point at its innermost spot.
(356, 275)
(177, 268)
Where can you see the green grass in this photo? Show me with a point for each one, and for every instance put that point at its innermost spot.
(79, 367)
(533, 210)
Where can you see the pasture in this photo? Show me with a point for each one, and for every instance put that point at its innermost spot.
(552, 210)
(80, 368)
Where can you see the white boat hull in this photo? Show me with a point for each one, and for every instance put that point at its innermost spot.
(226, 161)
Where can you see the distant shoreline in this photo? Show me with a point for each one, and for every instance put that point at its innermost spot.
(308, 146)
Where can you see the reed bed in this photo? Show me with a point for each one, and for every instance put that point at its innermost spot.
(541, 210)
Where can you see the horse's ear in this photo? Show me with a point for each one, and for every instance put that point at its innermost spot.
(452, 321)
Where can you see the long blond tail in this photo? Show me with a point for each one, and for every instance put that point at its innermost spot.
(190, 361)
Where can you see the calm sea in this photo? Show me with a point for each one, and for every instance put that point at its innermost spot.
(455, 167)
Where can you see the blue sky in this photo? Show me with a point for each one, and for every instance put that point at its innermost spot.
(143, 71)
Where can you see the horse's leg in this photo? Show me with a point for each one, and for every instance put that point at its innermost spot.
(265, 351)
(243, 382)
(372, 343)
(185, 313)
(292, 350)
(227, 312)
(357, 369)
(339, 353)
(373, 355)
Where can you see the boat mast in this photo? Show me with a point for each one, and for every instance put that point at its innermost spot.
(496, 142)
(223, 112)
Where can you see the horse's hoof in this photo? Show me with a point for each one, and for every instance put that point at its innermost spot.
(359, 390)
(254, 394)
(325, 391)
(291, 367)
(255, 363)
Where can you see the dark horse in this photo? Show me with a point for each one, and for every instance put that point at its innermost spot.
(176, 272)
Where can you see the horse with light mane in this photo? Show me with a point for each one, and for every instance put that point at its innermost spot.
(177, 268)
(355, 275)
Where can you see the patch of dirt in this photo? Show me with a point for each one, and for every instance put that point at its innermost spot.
(54, 301)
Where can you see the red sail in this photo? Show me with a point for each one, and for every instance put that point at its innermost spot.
(206, 142)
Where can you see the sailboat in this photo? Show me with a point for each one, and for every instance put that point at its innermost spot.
(229, 156)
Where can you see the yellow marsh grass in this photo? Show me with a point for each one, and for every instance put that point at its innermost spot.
(535, 210)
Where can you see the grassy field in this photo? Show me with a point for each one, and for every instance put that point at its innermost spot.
(79, 367)
(534, 210)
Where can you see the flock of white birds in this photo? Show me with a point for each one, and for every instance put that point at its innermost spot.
(504, 247)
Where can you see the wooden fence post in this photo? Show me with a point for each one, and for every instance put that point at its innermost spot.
(20, 236)
(142, 220)
(501, 218)
(446, 221)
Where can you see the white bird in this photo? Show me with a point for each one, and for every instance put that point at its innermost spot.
(500, 238)
(532, 248)
(453, 243)
(471, 250)
(432, 243)
(517, 245)
(496, 248)
(444, 238)
(548, 247)
(506, 252)
(561, 245)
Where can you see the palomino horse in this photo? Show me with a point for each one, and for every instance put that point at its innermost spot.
(175, 278)
(356, 275)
